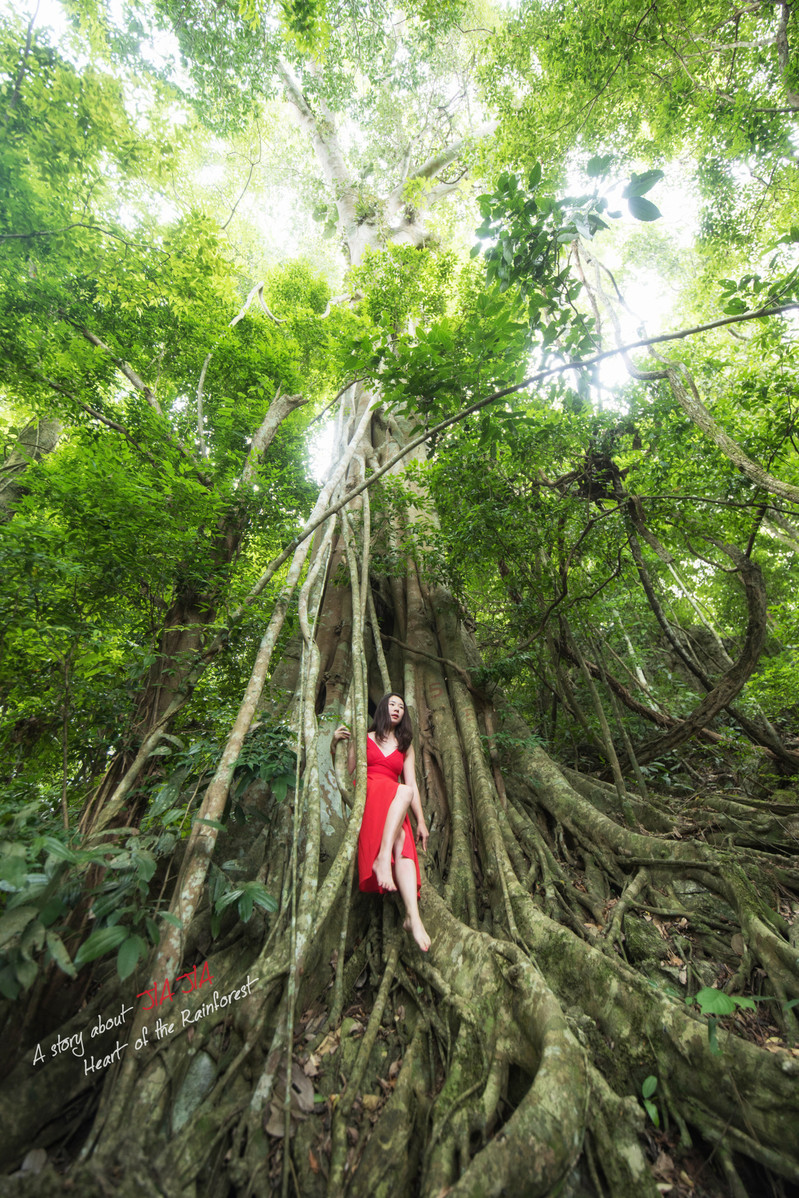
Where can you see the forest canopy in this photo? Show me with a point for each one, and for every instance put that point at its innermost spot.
(447, 351)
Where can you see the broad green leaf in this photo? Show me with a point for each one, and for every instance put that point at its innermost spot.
(598, 165)
(102, 941)
(9, 986)
(643, 209)
(130, 951)
(60, 954)
(652, 1112)
(27, 972)
(14, 922)
(639, 185)
(714, 1002)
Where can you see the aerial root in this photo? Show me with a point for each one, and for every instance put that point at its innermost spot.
(615, 1123)
(614, 931)
(391, 1157)
(338, 1154)
(543, 1136)
(454, 1112)
(718, 1131)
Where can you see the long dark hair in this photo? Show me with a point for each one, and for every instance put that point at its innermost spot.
(382, 726)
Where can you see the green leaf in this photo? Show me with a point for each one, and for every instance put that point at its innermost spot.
(280, 786)
(652, 1112)
(639, 185)
(228, 898)
(13, 871)
(9, 986)
(27, 972)
(735, 306)
(643, 209)
(212, 823)
(598, 165)
(99, 943)
(14, 922)
(58, 850)
(60, 954)
(128, 956)
(145, 865)
(714, 1002)
(52, 910)
(261, 896)
(649, 1086)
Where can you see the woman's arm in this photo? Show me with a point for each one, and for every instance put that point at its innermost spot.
(343, 733)
(409, 778)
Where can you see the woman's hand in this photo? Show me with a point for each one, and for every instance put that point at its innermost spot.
(342, 733)
(422, 835)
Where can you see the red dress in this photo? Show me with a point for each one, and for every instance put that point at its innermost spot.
(383, 774)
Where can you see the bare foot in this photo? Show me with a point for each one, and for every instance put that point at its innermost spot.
(418, 931)
(383, 872)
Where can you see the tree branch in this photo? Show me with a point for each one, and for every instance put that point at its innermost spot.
(322, 130)
(280, 407)
(97, 415)
(435, 165)
(128, 371)
(140, 385)
(730, 683)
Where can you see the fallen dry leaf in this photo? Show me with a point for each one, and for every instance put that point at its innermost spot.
(275, 1125)
(329, 1044)
(664, 1165)
(370, 1102)
(301, 1090)
(35, 1161)
(312, 1161)
(311, 1066)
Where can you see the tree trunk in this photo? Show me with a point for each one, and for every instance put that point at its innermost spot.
(36, 439)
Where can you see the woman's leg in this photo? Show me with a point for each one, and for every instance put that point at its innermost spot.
(394, 819)
(405, 873)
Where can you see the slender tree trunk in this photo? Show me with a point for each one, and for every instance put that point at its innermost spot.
(35, 441)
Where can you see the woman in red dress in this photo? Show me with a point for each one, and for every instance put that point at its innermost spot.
(387, 858)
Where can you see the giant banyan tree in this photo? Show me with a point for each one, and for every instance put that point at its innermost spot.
(198, 1001)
